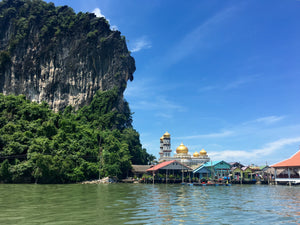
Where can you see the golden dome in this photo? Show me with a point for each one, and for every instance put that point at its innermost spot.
(182, 149)
(196, 154)
(203, 152)
(166, 135)
(162, 138)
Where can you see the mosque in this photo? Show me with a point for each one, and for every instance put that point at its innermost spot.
(182, 153)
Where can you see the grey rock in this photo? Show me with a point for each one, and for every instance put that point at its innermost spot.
(64, 69)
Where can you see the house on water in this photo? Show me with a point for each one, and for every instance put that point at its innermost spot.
(290, 170)
(217, 169)
(243, 175)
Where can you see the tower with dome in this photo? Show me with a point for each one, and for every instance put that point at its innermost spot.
(182, 153)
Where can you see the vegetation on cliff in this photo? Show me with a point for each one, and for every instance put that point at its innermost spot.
(38, 145)
(52, 23)
(59, 56)
(77, 66)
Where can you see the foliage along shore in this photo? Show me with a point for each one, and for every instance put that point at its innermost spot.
(41, 146)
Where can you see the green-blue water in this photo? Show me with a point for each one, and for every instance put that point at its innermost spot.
(148, 204)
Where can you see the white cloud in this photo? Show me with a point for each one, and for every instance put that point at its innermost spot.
(269, 119)
(267, 149)
(233, 84)
(98, 13)
(255, 132)
(164, 115)
(141, 88)
(241, 81)
(146, 94)
(114, 27)
(273, 146)
(140, 44)
(198, 38)
(158, 103)
(222, 134)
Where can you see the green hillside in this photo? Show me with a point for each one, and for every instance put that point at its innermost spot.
(38, 145)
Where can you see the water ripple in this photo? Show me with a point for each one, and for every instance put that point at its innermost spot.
(148, 204)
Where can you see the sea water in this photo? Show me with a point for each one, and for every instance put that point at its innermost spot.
(148, 204)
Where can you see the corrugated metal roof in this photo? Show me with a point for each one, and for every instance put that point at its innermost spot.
(209, 164)
(235, 164)
(140, 168)
(198, 169)
(246, 167)
(235, 168)
(294, 161)
(166, 163)
(201, 169)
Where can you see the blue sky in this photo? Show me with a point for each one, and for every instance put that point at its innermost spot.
(218, 75)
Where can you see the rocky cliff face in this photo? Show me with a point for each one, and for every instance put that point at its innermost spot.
(52, 54)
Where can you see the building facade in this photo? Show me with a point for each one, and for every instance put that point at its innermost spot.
(182, 153)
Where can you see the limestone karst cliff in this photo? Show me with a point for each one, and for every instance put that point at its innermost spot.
(52, 54)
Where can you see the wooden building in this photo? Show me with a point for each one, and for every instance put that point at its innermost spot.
(217, 169)
(291, 170)
(243, 175)
(139, 170)
(170, 168)
(202, 172)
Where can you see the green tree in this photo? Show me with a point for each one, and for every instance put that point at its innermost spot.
(64, 147)
(5, 174)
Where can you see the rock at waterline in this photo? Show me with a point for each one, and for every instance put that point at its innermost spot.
(105, 180)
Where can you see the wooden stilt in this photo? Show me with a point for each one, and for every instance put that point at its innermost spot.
(275, 176)
(153, 176)
(289, 173)
(166, 176)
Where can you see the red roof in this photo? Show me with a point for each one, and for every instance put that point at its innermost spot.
(294, 161)
(163, 164)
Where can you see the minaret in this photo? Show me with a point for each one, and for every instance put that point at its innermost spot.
(161, 147)
(166, 145)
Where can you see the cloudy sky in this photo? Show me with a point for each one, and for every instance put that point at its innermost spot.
(219, 75)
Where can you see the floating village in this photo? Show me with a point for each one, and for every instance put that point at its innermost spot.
(198, 169)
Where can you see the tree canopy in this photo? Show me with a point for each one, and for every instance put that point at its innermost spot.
(39, 145)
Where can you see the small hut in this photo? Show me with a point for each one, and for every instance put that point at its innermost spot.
(139, 170)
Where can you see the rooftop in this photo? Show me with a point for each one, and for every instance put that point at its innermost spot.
(294, 161)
